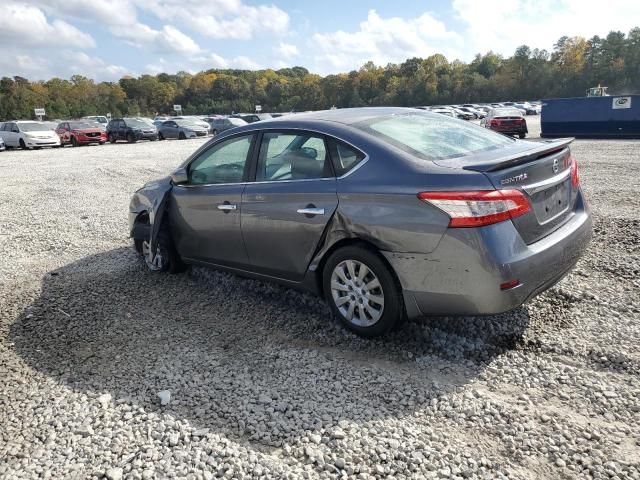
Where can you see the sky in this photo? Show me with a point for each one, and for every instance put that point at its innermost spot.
(107, 39)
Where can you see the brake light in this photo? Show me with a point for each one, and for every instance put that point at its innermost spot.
(575, 177)
(476, 209)
(494, 122)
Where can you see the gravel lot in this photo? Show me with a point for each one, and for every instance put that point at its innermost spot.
(263, 384)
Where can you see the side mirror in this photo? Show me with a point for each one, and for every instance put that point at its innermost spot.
(179, 176)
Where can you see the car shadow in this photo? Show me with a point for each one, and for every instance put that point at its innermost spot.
(234, 350)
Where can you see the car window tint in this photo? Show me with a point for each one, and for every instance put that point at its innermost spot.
(222, 163)
(345, 158)
(289, 156)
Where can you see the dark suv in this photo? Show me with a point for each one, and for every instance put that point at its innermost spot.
(131, 130)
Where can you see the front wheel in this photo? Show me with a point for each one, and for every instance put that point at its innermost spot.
(166, 258)
(131, 138)
(362, 291)
(74, 142)
(160, 136)
(182, 136)
(23, 145)
(112, 138)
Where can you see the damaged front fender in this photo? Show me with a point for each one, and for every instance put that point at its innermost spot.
(152, 200)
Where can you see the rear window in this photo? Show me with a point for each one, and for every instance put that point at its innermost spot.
(434, 137)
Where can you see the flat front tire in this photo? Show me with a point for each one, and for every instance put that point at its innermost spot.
(166, 258)
(362, 291)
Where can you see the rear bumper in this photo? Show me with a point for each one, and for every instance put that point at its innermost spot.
(510, 130)
(462, 276)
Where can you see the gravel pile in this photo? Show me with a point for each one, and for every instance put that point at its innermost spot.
(108, 371)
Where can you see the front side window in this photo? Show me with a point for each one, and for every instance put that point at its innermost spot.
(222, 163)
(292, 156)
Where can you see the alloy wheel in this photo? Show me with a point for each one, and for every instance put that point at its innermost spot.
(357, 293)
(155, 262)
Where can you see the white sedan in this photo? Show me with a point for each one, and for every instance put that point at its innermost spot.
(28, 134)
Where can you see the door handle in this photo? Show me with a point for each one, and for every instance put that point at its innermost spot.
(227, 207)
(311, 211)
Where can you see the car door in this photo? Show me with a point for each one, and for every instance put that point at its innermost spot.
(122, 130)
(285, 211)
(12, 134)
(205, 211)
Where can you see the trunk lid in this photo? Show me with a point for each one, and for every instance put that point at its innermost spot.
(543, 172)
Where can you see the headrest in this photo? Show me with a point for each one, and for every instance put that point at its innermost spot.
(305, 167)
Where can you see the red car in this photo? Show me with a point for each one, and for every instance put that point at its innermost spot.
(506, 120)
(81, 132)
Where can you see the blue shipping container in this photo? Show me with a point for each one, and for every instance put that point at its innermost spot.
(591, 117)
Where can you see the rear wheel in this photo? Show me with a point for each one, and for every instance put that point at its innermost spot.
(160, 136)
(522, 135)
(214, 132)
(362, 291)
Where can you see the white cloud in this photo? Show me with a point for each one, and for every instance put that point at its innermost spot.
(24, 25)
(503, 26)
(384, 40)
(199, 63)
(231, 19)
(58, 63)
(286, 50)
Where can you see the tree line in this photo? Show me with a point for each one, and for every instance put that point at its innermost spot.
(573, 65)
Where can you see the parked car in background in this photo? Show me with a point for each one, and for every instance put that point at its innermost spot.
(3, 147)
(443, 111)
(476, 113)
(181, 129)
(131, 130)
(464, 115)
(219, 125)
(193, 119)
(509, 121)
(247, 117)
(291, 200)
(101, 119)
(527, 107)
(81, 132)
(28, 134)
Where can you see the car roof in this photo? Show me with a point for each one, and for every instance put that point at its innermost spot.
(345, 116)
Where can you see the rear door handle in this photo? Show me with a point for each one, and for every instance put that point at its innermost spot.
(311, 211)
(227, 207)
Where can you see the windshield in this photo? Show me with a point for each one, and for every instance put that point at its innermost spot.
(433, 137)
(137, 123)
(32, 127)
(507, 112)
(78, 125)
(188, 123)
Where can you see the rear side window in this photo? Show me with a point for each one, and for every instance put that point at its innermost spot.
(292, 156)
(433, 137)
(344, 157)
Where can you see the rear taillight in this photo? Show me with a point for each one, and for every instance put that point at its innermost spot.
(475, 209)
(494, 122)
(575, 177)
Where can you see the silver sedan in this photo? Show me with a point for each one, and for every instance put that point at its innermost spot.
(181, 129)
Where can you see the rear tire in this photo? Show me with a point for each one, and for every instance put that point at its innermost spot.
(362, 291)
(160, 136)
(214, 133)
(522, 135)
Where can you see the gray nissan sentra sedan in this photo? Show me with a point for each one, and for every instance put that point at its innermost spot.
(389, 213)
